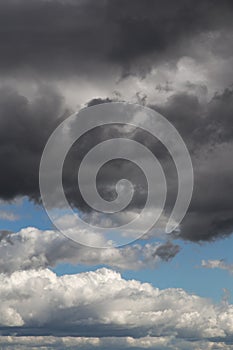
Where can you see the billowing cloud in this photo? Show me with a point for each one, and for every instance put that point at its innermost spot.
(208, 137)
(31, 248)
(102, 303)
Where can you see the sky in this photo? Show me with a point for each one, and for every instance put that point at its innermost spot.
(160, 290)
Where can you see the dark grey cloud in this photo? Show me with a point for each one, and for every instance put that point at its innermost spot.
(97, 101)
(24, 128)
(5, 235)
(207, 131)
(72, 38)
(75, 37)
(167, 251)
(206, 128)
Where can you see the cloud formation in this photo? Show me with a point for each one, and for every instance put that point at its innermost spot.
(8, 216)
(31, 248)
(94, 343)
(95, 34)
(24, 128)
(206, 128)
(175, 58)
(58, 56)
(102, 303)
(217, 264)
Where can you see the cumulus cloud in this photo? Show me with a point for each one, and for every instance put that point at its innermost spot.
(84, 343)
(102, 303)
(31, 248)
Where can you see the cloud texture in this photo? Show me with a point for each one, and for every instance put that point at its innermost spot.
(31, 248)
(173, 57)
(102, 303)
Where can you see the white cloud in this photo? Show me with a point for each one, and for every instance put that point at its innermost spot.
(217, 264)
(31, 248)
(9, 216)
(106, 343)
(102, 303)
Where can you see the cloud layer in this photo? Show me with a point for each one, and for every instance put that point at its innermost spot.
(102, 303)
(98, 34)
(83, 343)
(31, 248)
(175, 58)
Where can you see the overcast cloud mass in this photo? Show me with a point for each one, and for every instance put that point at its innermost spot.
(172, 54)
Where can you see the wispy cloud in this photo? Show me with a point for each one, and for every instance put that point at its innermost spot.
(217, 264)
(7, 215)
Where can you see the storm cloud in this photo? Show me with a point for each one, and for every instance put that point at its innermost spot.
(173, 57)
(72, 37)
